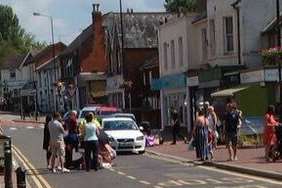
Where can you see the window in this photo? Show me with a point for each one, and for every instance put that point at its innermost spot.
(144, 79)
(12, 74)
(204, 44)
(165, 55)
(180, 50)
(228, 31)
(172, 48)
(212, 38)
(150, 77)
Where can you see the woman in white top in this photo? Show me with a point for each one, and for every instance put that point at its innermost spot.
(90, 135)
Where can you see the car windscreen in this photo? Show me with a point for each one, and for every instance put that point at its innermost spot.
(84, 113)
(119, 125)
(103, 113)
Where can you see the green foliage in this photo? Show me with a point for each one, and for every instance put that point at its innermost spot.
(178, 6)
(13, 38)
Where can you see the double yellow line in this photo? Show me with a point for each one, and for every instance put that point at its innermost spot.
(39, 181)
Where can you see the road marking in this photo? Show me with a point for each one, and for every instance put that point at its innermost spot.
(29, 127)
(37, 178)
(131, 177)
(13, 128)
(266, 180)
(121, 173)
(156, 186)
(144, 182)
(241, 175)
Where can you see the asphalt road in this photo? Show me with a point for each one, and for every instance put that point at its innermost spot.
(138, 171)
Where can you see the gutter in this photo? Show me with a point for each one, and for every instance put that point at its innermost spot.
(237, 8)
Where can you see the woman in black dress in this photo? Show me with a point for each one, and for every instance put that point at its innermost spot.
(46, 139)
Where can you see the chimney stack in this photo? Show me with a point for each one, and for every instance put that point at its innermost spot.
(95, 11)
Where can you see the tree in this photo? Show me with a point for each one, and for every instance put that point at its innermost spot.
(13, 38)
(178, 6)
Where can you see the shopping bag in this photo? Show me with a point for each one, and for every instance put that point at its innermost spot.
(191, 144)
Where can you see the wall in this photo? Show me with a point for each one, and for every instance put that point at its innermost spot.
(217, 10)
(134, 59)
(175, 28)
(196, 57)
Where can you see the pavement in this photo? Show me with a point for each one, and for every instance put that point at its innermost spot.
(15, 117)
(250, 160)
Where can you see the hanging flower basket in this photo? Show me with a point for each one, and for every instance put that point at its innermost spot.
(272, 56)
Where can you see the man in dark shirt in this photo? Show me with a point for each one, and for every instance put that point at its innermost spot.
(231, 129)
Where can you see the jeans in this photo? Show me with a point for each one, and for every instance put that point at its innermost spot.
(91, 147)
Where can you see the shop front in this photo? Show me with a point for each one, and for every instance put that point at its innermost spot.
(173, 97)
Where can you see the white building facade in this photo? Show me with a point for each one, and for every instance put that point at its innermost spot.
(174, 57)
(49, 98)
(16, 73)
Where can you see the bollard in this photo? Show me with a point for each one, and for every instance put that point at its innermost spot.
(21, 181)
(8, 164)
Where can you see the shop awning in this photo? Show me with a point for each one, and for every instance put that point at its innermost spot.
(228, 92)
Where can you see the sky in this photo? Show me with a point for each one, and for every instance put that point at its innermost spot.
(70, 16)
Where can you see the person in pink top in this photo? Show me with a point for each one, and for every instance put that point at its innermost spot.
(270, 138)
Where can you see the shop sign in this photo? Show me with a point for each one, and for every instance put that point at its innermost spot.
(271, 75)
(192, 81)
(252, 77)
(169, 82)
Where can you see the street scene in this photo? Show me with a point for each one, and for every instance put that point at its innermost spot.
(163, 93)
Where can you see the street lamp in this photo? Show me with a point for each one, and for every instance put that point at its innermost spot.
(53, 44)
(278, 44)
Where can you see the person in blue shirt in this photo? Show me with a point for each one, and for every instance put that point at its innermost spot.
(90, 135)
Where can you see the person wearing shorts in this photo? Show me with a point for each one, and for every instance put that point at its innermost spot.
(231, 130)
(57, 145)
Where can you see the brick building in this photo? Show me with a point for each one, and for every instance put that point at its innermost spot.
(140, 43)
(84, 65)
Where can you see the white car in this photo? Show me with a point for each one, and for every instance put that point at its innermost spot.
(124, 134)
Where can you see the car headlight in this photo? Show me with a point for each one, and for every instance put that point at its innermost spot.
(140, 138)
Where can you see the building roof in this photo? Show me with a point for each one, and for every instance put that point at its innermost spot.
(14, 61)
(79, 40)
(46, 50)
(272, 25)
(140, 29)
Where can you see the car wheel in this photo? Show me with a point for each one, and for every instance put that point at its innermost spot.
(141, 152)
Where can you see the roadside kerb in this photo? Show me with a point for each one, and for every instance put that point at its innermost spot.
(229, 167)
(27, 121)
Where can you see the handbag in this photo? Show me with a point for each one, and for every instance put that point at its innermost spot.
(191, 144)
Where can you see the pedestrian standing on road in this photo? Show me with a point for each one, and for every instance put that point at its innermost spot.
(57, 144)
(176, 128)
(231, 129)
(212, 125)
(270, 138)
(200, 134)
(71, 139)
(46, 140)
(90, 134)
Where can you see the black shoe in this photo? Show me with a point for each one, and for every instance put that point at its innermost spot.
(173, 143)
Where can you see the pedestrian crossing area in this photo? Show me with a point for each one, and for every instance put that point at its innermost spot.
(15, 128)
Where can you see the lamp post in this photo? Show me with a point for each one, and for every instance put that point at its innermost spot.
(53, 45)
